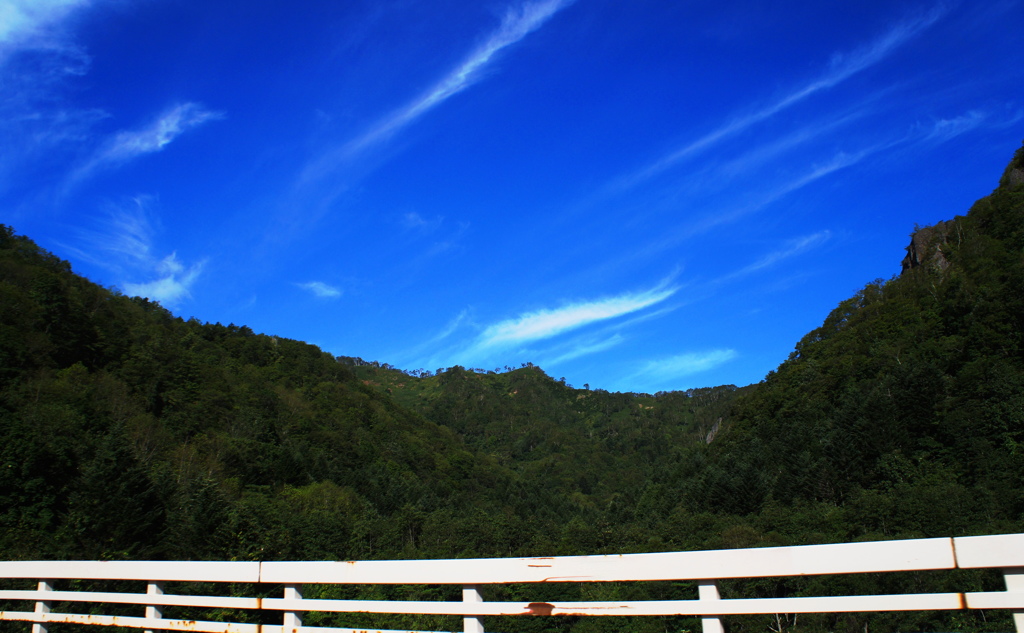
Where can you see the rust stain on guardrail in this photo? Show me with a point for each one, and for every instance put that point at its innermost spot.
(93, 619)
(86, 618)
(539, 608)
(546, 608)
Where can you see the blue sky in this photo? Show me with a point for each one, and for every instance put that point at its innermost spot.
(639, 196)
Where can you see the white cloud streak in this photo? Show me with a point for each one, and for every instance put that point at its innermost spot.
(757, 157)
(584, 348)
(672, 239)
(947, 129)
(125, 245)
(129, 144)
(665, 369)
(547, 323)
(514, 337)
(173, 284)
(841, 68)
(792, 248)
(37, 54)
(321, 289)
(518, 22)
(418, 355)
(413, 221)
(131, 233)
(25, 23)
(124, 238)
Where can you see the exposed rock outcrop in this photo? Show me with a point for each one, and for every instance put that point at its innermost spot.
(1014, 174)
(925, 247)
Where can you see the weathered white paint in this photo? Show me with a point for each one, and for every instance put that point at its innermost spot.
(1012, 598)
(146, 599)
(42, 605)
(293, 617)
(702, 607)
(1005, 552)
(141, 623)
(153, 611)
(209, 571)
(847, 558)
(1002, 550)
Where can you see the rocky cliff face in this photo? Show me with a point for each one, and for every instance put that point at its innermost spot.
(1014, 174)
(927, 244)
(925, 247)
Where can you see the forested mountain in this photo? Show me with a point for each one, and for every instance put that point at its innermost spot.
(906, 407)
(130, 433)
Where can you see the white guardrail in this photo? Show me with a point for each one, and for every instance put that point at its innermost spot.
(1005, 552)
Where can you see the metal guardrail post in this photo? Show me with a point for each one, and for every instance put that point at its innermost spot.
(472, 624)
(154, 612)
(707, 590)
(1014, 577)
(292, 619)
(43, 606)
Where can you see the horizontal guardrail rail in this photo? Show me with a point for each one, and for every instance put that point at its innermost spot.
(705, 568)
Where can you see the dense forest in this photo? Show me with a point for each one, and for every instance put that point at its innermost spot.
(129, 433)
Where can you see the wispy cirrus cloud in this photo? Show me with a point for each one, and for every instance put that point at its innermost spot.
(29, 23)
(131, 143)
(547, 323)
(37, 56)
(584, 347)
(942, 130)
(128, 144)
(791, 248)
(124, 244)
(412, 221)
(173, 283)
(946, 129)
(539, 334)
(425, 353)
(842, 67)
(321, 289)
(518, 22)
(758, 156)
(699, 226)
(664, 370)
(129, 231)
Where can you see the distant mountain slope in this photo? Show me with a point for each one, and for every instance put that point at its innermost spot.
(595, 444)
(129, 432)
(907, 405)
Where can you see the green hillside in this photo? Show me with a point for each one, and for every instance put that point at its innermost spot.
(905, 409)
(130, 433)
(598, 447)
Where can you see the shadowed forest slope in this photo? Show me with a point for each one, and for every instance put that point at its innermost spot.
(132, 433)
